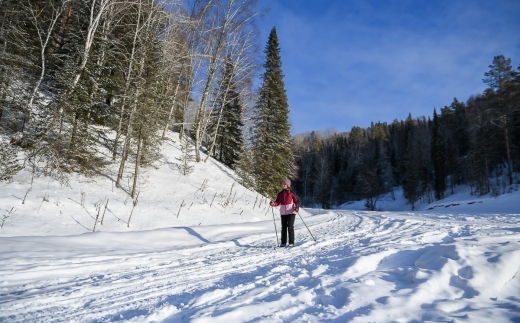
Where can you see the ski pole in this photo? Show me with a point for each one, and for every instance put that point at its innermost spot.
(307, 227)
(275, 229)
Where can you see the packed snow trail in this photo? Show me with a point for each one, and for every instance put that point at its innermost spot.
(365, 267)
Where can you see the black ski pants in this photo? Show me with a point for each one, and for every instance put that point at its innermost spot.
(288, 226)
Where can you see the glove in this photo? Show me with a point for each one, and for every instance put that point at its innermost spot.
(272, 203)
(297, 209)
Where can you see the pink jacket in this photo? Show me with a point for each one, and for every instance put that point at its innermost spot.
(289, 203)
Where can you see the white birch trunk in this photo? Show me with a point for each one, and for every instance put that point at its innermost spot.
(91, 30)
(127, 83)
(43, 44)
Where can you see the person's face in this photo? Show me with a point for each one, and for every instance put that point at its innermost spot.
(284, 186)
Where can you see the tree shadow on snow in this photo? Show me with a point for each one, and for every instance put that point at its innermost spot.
(195, 234)
(512, 229)
(80, 223)
(238, 244)
(115, 216)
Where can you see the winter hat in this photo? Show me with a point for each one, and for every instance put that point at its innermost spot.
(287, 182)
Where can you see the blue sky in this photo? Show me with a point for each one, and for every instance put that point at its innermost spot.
(348, 63)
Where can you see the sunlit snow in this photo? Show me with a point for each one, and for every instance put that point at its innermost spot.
(456, 260)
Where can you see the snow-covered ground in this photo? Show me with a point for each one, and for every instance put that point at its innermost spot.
(461, 201)
(454, 261)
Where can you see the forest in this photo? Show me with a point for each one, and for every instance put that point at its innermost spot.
(474, 143)
(79, 78)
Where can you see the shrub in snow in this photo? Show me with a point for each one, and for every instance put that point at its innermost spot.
(187, 158)
(8, 162)
(245, 167)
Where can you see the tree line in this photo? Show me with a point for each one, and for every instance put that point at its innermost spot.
(473, 143)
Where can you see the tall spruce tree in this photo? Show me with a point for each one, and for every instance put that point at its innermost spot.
(411, 176)
(438, 159)
(274, 160)
(454, 129)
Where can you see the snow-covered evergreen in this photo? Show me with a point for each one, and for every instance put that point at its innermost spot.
(227, 121)
(274, 160)
(187, 158)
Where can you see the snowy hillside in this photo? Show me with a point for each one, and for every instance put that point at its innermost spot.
(215, 262)
(210, 195)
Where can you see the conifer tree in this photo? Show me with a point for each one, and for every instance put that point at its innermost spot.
(228, 119)
(498, 78)
(438, 159)
(453, 127)
(500, 73)
(274, 160)
(245, 167)
(411, 167)
(187, 158)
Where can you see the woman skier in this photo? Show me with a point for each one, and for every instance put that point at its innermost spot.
(289, 206)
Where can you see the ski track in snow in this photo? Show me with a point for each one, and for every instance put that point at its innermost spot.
(365, 267)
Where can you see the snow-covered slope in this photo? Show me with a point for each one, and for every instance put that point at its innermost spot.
(210, 195)
(217, 263)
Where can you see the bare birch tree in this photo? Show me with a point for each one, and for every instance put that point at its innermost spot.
(129, 74)
(240, 54)
(44, 35)
(175, 56)
(223, 19)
